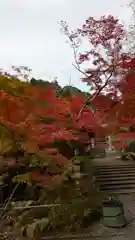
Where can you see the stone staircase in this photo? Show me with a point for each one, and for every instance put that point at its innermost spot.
(116, 178)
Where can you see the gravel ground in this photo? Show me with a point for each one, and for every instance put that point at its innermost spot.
(100, 232)
(126, 233)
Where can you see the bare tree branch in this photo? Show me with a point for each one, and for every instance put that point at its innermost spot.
(9, 200)
(77, 66)
(94, 96)
(99, 89)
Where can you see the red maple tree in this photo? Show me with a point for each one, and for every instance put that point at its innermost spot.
(38, 116)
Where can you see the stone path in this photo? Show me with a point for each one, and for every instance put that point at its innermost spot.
(100, 232)
(127, 233)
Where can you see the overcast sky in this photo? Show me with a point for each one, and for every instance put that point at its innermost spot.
(30, 33)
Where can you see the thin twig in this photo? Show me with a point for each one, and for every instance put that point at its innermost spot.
(94, 96)
(9, 200)
(34, 206)
(77, 67)
(38, 206)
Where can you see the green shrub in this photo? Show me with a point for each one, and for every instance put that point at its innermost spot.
(128, 152)
(130, 147)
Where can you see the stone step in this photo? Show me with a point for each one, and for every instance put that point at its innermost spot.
(117, 182)
(115, 167)
(117, 187)
(114, 174)
(114, 178)
(112, 162)
(121, 191)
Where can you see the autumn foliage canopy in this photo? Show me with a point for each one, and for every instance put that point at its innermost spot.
(32, 117)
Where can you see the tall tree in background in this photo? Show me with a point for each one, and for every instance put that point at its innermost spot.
(100, 63)
(131, 30)
(104, 37)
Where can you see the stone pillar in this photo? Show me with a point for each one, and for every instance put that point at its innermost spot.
(109, 143)
(93, 142)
